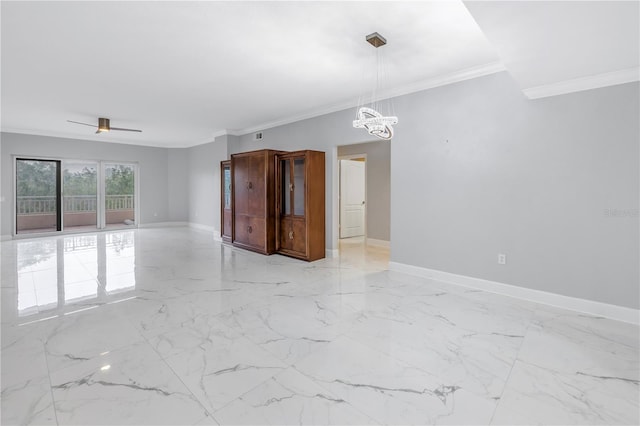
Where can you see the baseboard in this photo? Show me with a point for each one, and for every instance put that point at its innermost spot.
(202, 227)
(5, 237)
(378, 243)
(162, 224)
(619, 313)
(329, 253)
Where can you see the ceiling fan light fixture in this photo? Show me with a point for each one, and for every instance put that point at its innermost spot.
(103, 125)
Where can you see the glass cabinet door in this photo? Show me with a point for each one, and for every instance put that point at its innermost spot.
(227, 187)
(298, 186)
(285, 169)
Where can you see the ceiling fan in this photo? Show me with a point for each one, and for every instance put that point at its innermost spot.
(104, 126)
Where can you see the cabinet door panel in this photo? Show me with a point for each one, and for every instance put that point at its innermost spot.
(226, 219)
(257, 185)
(256, 232)
(241, 234)
(285, 227)
(240, 181)
(299, 241)
(256, 197)
(258, 163)
(250, 231)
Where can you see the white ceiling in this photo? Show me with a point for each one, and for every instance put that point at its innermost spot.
(184, 72)
(543, 43)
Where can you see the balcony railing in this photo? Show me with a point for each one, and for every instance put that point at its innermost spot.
(37, 205)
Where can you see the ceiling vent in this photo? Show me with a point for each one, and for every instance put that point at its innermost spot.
(257, 136)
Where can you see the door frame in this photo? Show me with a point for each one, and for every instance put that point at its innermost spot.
(366, 203)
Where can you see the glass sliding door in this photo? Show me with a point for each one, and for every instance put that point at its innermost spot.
(74, 195)
(80, 196)
(38, 196)
(119, 199)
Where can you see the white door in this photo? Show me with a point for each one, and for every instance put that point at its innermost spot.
(352, 198)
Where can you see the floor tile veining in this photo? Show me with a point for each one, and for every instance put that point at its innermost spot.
(167, 326)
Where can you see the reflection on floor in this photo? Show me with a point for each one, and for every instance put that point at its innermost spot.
(166, 326)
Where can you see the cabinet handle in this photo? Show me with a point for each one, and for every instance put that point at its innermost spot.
(249, 229)
(249, 185)
(291, 187)
(291, 235)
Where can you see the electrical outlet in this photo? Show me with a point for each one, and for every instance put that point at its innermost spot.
(502, 259)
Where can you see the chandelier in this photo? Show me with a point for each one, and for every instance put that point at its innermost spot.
(369, 118)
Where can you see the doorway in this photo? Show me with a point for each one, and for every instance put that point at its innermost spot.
(57, 195)
(376, 157)
(353, 197)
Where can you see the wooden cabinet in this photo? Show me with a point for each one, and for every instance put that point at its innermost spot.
(253, 200)
(225, 201)
(275, 201)
(300, 204)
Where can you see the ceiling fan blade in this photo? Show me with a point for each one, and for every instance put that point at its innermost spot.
(125, 130)
(84, 124)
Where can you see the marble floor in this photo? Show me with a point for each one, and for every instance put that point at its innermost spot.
(167, 326)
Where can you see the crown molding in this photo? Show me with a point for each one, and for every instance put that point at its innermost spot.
(455, 77)
(584, 83)
(65, 135)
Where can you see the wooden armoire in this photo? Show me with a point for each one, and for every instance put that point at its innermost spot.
(300, 194)
(277, 202)
(253, 200)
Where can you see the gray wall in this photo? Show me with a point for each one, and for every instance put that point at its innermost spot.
(477, 169)
(204, 182)
(485, 171)
(152, 169)
(177, 183)
(378, 185)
